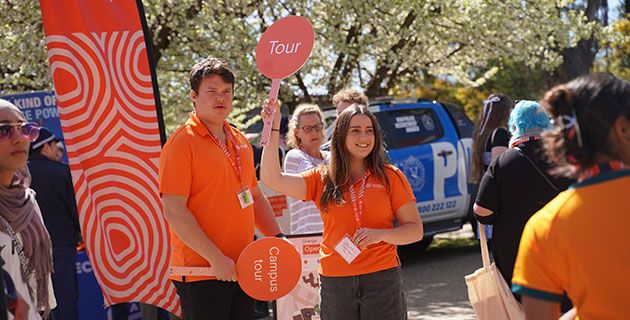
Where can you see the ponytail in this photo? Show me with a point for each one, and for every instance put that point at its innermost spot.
(582, 112)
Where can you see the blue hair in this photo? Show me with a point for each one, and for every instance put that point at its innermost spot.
(528, 115)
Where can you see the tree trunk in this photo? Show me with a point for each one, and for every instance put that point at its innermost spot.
(577, 60)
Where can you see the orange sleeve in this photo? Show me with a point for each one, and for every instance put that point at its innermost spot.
(401, 191)
(537, 266)
(313, 179)
(175, 168)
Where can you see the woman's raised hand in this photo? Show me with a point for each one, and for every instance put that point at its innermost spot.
(271, 174)
(272, 108)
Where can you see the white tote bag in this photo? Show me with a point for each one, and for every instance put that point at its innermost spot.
(489, 293)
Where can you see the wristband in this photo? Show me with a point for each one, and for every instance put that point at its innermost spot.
(280, 235)
(272, 129)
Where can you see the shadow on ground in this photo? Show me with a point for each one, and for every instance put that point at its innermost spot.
(434, 279)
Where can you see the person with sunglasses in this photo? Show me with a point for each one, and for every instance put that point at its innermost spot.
(305, 136)
(54, 190)
(578, 242)
(28, 249)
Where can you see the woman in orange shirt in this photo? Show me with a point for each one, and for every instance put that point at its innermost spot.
(578, 242)
(359, 196)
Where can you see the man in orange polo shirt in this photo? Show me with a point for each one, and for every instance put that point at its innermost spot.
(211, 198)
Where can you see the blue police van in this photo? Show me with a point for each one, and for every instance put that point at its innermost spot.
(431, 143)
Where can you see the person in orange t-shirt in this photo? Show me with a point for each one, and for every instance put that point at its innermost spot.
(578, 242)
(211, 198)
(359, 196)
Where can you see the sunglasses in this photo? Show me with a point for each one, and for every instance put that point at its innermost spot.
(318, 127)
(29, 130)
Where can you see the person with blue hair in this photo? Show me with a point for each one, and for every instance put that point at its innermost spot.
(516, 185)
(527, 120)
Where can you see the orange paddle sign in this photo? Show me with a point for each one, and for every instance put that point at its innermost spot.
(267, 269)
(282, 50)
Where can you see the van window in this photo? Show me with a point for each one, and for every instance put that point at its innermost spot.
(409, 127)
(460, 119)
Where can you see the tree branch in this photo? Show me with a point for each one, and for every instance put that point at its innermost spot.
(383, 70)
(332, 83)
(302, 86)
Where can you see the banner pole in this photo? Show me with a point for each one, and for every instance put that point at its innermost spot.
(152, 66)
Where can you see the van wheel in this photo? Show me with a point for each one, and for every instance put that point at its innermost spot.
(417, 246)
(423, 244)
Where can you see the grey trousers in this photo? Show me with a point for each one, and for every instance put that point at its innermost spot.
(378, 296)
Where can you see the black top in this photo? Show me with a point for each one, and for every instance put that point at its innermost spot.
(258, 156)
(52, 183)
(514, 190)
(498, 138)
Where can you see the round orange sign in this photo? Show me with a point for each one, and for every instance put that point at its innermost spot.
(285, 47)
(268, 268)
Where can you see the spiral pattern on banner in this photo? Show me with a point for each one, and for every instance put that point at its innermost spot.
(108, 115)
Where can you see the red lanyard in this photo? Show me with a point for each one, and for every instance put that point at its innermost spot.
(357, 200)
(602, 168)
(523, 140)
(228, 135)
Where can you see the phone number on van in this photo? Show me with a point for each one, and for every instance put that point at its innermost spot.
(437, 206)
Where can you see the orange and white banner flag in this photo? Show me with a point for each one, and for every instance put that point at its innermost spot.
(112, 124)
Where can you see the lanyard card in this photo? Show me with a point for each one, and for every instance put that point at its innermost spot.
(347, 249)
(245, 198)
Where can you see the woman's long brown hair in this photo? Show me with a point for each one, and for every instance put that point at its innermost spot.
(496, 118)
(337, 175)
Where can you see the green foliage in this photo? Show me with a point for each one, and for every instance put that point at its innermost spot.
(517, 80)
(452, 243)
(443, 90)
(24, 63)
(617, 58)
(514, 78)
(371, 44)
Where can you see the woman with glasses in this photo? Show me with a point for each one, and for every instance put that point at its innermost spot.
(578, 242)
(359, 196)
(26, 247)
(305, 136)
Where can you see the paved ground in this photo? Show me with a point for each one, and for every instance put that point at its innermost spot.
(434, 279)
(465, 232)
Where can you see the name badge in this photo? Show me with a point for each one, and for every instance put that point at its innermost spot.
(245, 198)
(347, 249)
